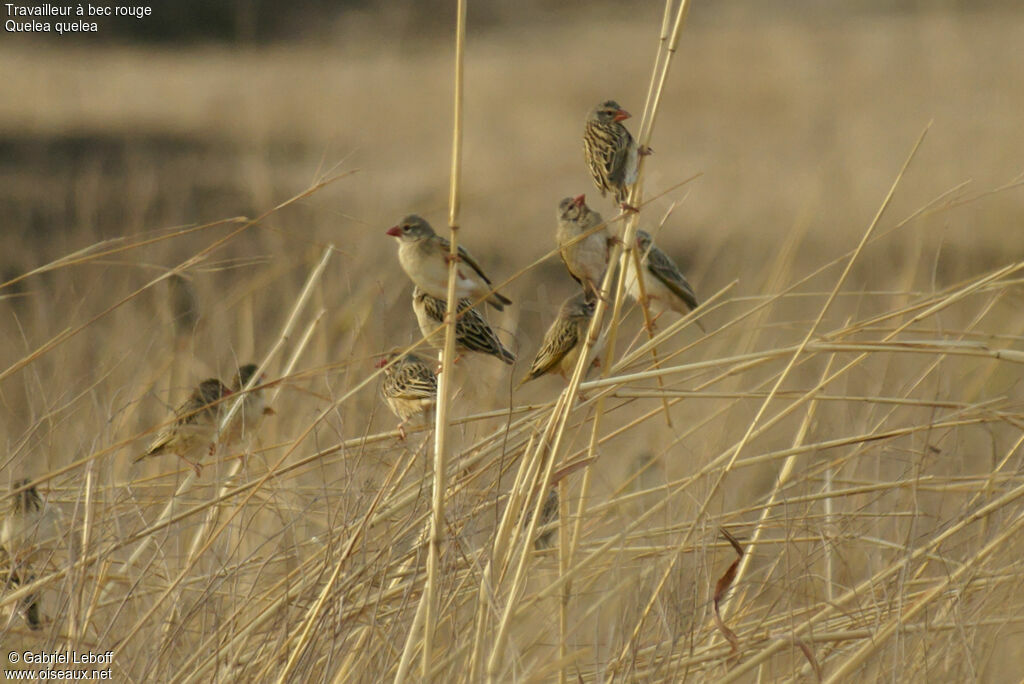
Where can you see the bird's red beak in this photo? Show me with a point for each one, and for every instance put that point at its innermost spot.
(394, 231)
(578, 201)
(381, 362)
(622, 115)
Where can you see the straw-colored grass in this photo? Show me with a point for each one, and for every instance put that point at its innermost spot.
(852, 415)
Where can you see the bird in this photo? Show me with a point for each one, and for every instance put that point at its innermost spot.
(664, 284)
(563, 340)
(424, 256)
(409, 387)
(19, 532)
(11, 578)
(254, 406)
(22, 514)
(548, 514)
(194, 426)
(586, 258)
(611, 153)
(184, 305)
(472, 333)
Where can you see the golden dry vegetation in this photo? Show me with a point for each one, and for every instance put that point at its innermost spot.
(872, 473)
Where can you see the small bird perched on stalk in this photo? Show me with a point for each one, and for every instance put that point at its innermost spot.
(425, 255)
(19, 532)
(22, 513)
(548, 514)
(409, 387)
(587, 258)
(194, 425)
(664, 283)
(611, 153)
(564, 339)
(254, 406)
(12, 578)
(472, 332)
(184, 305)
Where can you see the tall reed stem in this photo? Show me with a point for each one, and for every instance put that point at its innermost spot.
(430, 589)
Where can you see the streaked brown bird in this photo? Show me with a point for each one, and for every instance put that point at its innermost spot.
(611, 153)
(472, 332)
(564, 339)
(20, 528)
(11, 578)
(184, 305)
(424, 256)
(586, 258)
(254, 406)
(409, 387)
(548, 514)
(194, 426)
(22, 513)
(664, 283)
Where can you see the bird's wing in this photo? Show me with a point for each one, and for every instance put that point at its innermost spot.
(476, 335)
(465, 256)
(193, 411)
(435, 308)
(162, 440)
(187, 417)
(662, 267)
(568, 267)
(632, 162)
(558, 341)
(414, 381)
(30, 500)
(616, 162)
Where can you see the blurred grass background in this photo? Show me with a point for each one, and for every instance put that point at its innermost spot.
(797, 115)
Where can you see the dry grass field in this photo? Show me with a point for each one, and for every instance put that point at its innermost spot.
(853, 417)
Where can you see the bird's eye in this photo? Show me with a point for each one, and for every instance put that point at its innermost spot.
(406, 228)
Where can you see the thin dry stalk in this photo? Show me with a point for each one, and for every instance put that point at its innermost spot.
(429, 600)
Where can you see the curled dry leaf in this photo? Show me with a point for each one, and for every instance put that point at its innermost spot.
(722, 586)
(810, 657)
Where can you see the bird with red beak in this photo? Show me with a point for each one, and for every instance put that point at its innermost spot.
(583, 242)
(611, 153)
(425, 256)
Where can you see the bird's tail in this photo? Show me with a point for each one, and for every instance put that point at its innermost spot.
(498, 301)
(506, 356)
(693, 307)
(526, 378)
(155, 448)
(29, 605)
(32, 612)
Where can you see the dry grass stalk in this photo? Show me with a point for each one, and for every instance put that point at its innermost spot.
(429, 600)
